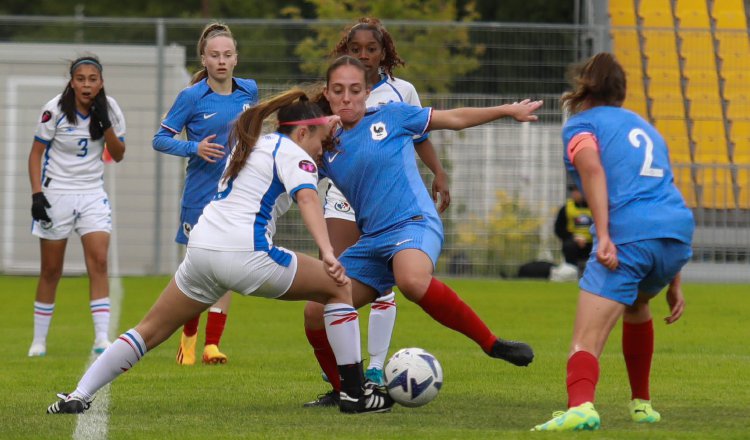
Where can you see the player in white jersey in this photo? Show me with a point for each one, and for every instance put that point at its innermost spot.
(369, 41)
(66, 173)
(231, 248)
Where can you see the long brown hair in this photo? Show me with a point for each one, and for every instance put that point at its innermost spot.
(212, 30)
(292, 105)
(598, 81)
(344, 60)
(391, 59)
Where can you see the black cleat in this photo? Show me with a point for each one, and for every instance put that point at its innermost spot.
(328, 399)
(68, 405)
(371, 401)
(517, 353)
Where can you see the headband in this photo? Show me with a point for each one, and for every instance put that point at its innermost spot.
(85, 61)
(315, 121)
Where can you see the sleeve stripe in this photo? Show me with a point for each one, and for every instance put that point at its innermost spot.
(302, 186)
(429, 119)
(43, 141)
(580, 142)
(170, 128)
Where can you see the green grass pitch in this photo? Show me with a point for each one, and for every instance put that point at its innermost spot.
(700, 377)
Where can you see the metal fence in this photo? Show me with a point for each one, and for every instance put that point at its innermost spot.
(507, 180)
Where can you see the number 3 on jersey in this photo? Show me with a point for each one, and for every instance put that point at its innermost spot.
(637, 138)
(84, 144)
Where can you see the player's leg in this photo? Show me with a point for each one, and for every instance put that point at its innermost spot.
(95, 249)
(52, 257)
(189, 336)
(215, 323)
(638, 351)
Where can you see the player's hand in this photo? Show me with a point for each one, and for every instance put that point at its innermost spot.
(440, 186)
(676, 304)
(334, 122)
(334, 269)
(209, 151)
(580, 241)
(38, 205)
(606, 253)
(524, 111)
(100, 110)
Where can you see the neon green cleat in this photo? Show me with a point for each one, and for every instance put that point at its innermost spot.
(578, 418)
(641, 411)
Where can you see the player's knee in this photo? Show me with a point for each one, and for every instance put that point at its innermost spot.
(413, 285)
(313, 314)
(51, 272)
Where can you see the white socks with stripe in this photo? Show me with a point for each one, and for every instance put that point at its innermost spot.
(100, 315)
(342, 329)
(380, 329)
(42, 319)
(125, 352)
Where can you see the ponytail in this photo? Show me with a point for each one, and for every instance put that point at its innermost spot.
(212, 30)
(599, 81)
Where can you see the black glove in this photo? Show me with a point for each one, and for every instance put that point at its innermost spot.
(99, 116)
(38, 203)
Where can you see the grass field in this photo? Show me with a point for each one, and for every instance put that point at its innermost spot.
(700, 379)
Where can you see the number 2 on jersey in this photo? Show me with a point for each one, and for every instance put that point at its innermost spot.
(637, 137)
(84, 144)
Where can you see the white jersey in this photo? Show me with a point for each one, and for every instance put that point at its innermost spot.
(242, 216)
(72, 160)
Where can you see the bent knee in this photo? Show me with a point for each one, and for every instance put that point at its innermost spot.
(313, 314)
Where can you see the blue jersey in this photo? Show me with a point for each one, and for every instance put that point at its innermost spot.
(643, 200)
(201, 112)
(375, 169)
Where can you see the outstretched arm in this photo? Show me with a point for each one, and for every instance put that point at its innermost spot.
(312, 215)
(465, 117)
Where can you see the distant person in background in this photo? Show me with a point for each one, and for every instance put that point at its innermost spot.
(572, 227)
(66, 172)
(642, 236)
(205, 110)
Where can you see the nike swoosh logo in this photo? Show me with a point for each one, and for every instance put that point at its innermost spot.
(330, 159)
(404, 241)
(206, 116)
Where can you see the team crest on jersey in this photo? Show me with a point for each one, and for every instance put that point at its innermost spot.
(245, 107)
(378, 131)
(306, 165)
(46, 116)
(342, 207)
(186, 228)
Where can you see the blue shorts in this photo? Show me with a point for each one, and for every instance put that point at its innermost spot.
(645, 266)
(188, 219)
(369, 260)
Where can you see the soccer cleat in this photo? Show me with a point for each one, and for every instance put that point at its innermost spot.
(371, 401)
(37, 349)
(374, 378)
(212, 355)
(330, 398)
(641, 411)
(68, 404)
(578, 418)
(517, 353)
(186, 352)
(100, 345)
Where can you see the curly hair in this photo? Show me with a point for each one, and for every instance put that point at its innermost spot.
(391, 60)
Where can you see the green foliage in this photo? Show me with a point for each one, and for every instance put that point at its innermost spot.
(435, 55)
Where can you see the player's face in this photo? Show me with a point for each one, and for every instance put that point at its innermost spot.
(219, 57)
(347, 92)
(86, 83)
(311, 139)
(366, 49)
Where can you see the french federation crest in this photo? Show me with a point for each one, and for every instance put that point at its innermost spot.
(245, 107)
(378, 131)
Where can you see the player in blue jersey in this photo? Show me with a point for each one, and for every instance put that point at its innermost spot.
(402, 234)
(66, 171)
(231, 248)
(369, 42)
(642, 235)
(205, 110)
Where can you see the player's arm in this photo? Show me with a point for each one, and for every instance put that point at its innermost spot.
(465, 117)
(115, 145)
(35, 166)
(675, 299)
(427, 153)
(312, 215)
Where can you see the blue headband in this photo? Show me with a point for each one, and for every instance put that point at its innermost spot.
(85, 61)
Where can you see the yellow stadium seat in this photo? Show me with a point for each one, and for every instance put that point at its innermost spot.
(743, 183)
(741, 139)
(717, 191)
(684, 182)
(622, 13)
(705, 105)
(667, 106)
(674, 132)
(664, 81)
(710, 142)
(656, 13)
(692, 13)
(738, 108)
(736, 85)
(729, 14)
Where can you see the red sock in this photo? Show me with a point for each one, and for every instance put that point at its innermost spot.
(583, 374)
(191, 327)
(638, 350)
(215, 327)
(324, 354)
(447, 308)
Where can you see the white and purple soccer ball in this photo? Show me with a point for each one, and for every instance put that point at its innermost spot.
(413, 377)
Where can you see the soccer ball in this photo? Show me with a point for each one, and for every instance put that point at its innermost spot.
(413, 377)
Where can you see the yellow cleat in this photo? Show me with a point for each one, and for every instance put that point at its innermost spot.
(578, 418)
(212, 355)
(186, 352)
(642, 412)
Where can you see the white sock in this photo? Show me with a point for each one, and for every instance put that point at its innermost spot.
(342, 329)
(42, 319)
(100, 315)
(128, 349)
(380, 329)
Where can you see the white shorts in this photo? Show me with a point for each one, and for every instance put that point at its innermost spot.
(337, 206)
(205, 275)
(82, 213)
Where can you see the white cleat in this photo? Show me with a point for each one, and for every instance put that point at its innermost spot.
(37, 349)
(100, 345)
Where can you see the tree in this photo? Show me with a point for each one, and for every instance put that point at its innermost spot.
(435, 53)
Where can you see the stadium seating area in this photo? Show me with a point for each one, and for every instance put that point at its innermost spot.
(688, 66)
